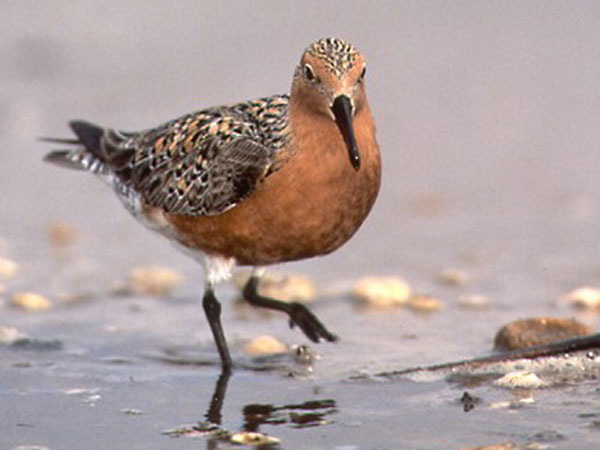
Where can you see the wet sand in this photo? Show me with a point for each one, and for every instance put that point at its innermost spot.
(487, 121)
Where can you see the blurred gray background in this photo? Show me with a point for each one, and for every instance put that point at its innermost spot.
(487, 116)
(488, 119)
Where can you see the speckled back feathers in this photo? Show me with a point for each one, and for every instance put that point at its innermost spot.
(199, 164)
(205, 163)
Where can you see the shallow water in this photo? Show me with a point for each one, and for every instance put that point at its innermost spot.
(487, 120)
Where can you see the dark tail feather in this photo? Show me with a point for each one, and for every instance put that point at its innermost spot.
(97, 149)
(90, 137)
(88, 153)
(65, 141)
(71, 159)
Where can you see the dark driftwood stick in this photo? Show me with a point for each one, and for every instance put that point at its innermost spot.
(555, 348)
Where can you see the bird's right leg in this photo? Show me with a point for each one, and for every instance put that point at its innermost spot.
(212, 309)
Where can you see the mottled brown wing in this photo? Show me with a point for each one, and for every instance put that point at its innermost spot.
(209, 180)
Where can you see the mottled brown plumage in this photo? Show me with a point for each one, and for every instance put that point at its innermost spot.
(310, 207)
(260, 182)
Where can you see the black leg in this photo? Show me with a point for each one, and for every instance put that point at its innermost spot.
(212, 309)
(298, 313)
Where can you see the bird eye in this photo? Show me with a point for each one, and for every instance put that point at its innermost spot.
(309, 72)
(362, 74)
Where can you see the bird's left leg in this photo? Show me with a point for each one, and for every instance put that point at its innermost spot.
(299, 314)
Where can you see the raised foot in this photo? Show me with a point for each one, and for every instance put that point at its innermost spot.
(299, 314)
(312, 327)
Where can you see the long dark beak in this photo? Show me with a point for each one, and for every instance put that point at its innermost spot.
(342, 110)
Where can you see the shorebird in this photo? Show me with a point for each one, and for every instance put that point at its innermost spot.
(255, 183)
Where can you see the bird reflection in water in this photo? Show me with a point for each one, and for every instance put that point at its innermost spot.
(297, 362)
(311, 413)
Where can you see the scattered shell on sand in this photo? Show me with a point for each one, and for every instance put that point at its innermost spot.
(286, 287)
(8, 268)
(74, 297)
(520, 379)
(453, 277)
(428, 204)
(9, 335)
(474, 301)
(30, 301)
(424, 303)
(154, 280)
(62, 233)
(538, 331)
(92, 399)
(382, 291)
(79, 391)
(584, 297)
(252, 438)
(264, 345)
(507, 446)
(30, 447)
(519, 398)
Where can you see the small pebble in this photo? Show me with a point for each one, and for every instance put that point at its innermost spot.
(281, 286)
(9, 335)
(264, 345)
(253, 438)
(469, 401)
(382, 291)
(30, 301)
(453, 277)
(154, 280)
(303, 354)
(424, 303)
(584, 298)
(62, 233)
(8, 268)
(474, 301)
(538, 331)
(520, 379)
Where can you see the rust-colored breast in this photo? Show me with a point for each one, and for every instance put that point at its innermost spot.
(310, 207)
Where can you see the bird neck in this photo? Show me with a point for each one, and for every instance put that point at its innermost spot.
(319, 132)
